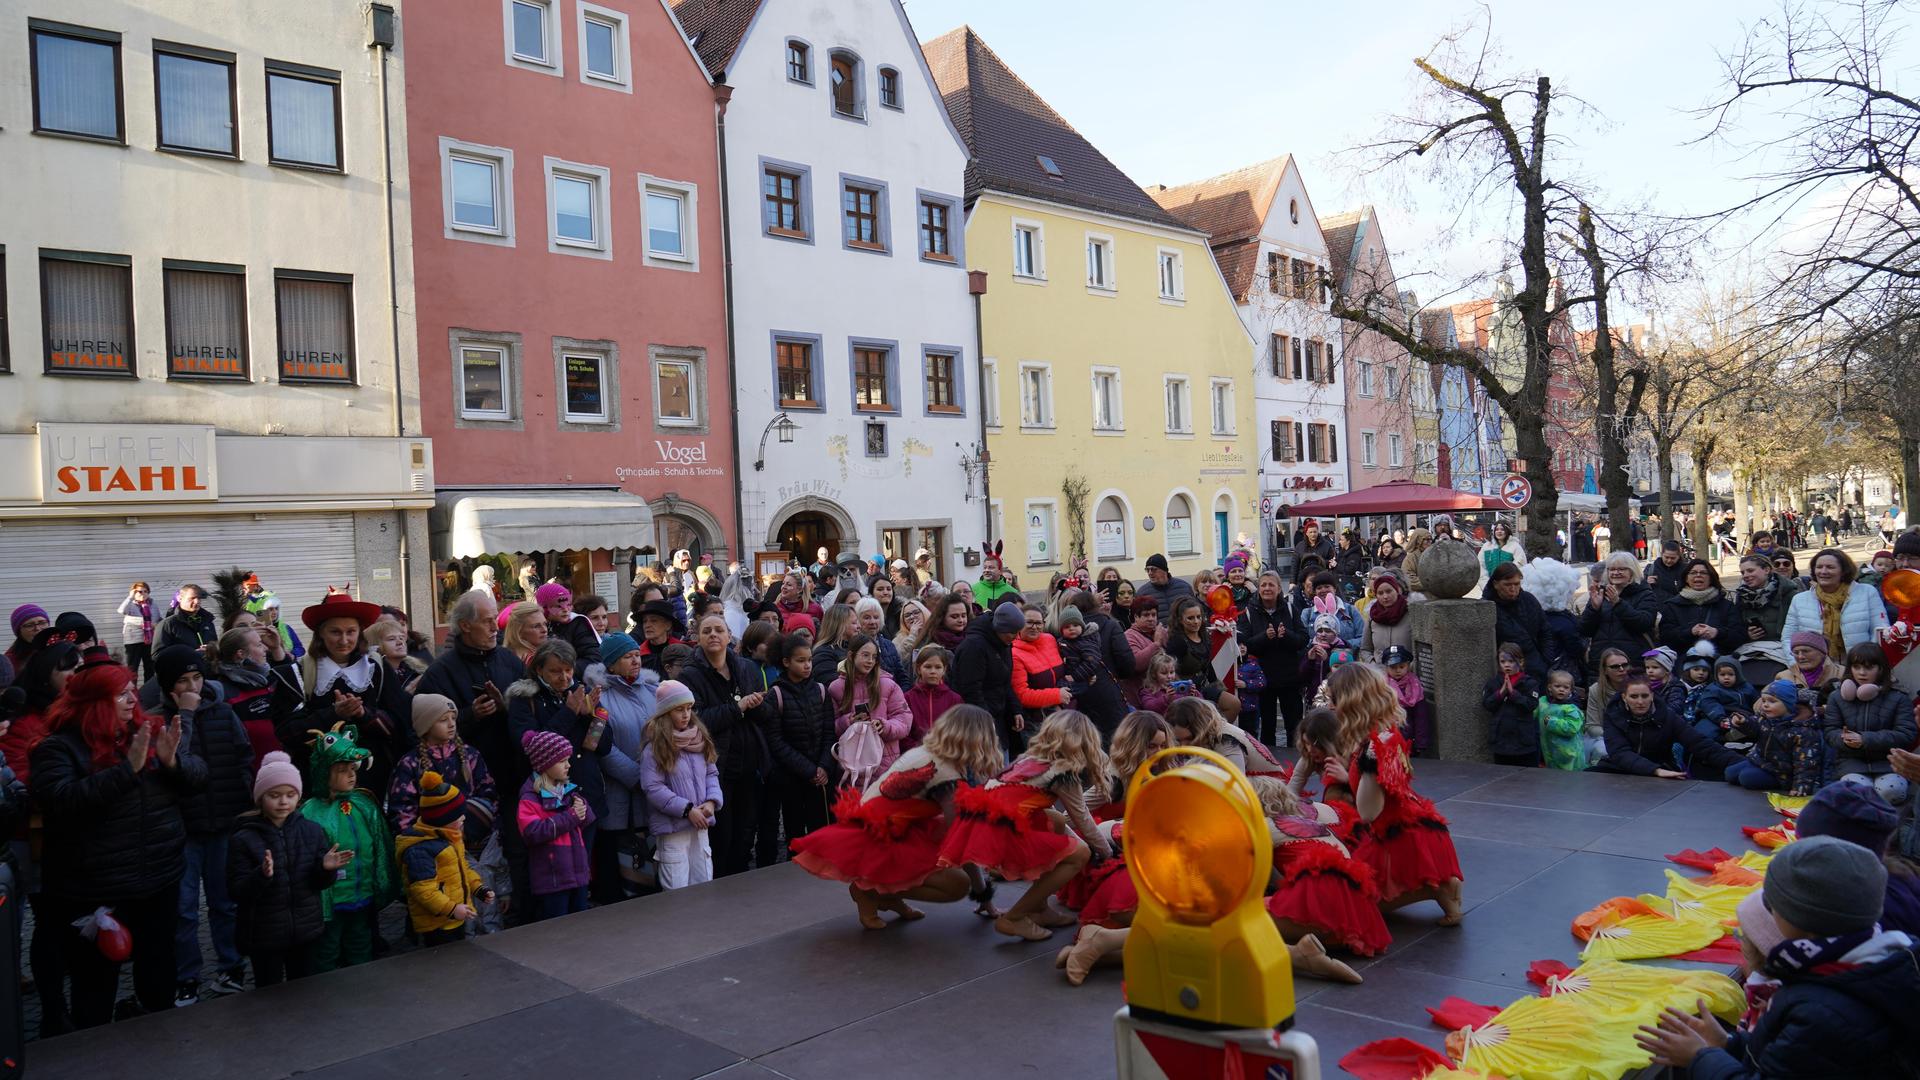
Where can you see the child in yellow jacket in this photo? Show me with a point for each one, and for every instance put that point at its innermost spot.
(442, 887)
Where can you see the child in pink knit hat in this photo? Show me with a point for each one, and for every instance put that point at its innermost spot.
(278, 865)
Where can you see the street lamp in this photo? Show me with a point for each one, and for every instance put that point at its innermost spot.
(781, 423)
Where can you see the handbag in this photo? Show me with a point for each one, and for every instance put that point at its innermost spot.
(859, 751)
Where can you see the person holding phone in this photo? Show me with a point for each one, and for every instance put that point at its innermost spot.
(865, 694)
(1621, 611)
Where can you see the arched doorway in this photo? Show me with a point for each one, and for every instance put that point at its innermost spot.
(672, 533)
(805, 533)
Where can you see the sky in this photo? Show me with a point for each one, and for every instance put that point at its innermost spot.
(1179, 92)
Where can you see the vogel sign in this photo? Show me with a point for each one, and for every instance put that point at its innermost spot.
(127, 463)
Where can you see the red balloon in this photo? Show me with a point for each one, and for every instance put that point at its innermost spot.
(1902, 587)
(113, 941)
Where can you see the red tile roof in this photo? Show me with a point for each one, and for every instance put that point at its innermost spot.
(1008, 128)
(1228, 207)
(1341, 232)
(716, 27)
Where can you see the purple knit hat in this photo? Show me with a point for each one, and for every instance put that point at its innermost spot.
(1810, 639)
(544, 748)
(24, 612)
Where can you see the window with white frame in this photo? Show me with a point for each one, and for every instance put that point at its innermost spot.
(605, 57)
(676, 398)
(1036, 396)
(1394, 458)
(1100, 263)
(990, 392)
(1392, 373)
(668, 211)
(1029, 251)
(485, 379)
(1042, 548)
(1107, 414)
(476, 192)
(1179, 405)
(1363, 377)
(1221, 393)
(586, 397)
(577, 209)
(1369, 452)
(1173, 275)
(1112, 538)
(1179, 530)
(533, 38)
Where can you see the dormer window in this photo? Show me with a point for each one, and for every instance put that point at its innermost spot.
(844, 84)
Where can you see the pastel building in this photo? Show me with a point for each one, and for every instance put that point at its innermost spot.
(1117, 389)
(1379, 390)
(1268, 242)
(206, 343)
(856, 394)
(569, 290)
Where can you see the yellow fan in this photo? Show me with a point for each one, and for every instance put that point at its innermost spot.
(1643, 937)
(1451, 1073)
(1790, 805)
(1549, 1039)
(1636, 993)
(1692, 900)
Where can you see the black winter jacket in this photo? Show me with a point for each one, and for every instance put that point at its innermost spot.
(799, 731)
(461, 673)
(532, 706)
(110, 835)
(1855, 1023)
(1626, 625)
(1678, 616)
(736, 733)
(1665, 580)
(983, 672)
(1640, 745)
(1113, 644)
(1279, 657)
(1095, 691)
(1523, 622)
(1563, 648)
(219, 739)
(283, 911)
(1883, 724)
(191, 628)
(1512, 730)
(271, 700)
(578, 632)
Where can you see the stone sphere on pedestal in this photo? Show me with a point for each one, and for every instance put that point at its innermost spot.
(1449, 569)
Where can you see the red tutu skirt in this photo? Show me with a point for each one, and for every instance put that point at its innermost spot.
(1408, 847)
(1101, 893)
(885, 845)
(1332, 895)
(1005, 830)
(1348, 825)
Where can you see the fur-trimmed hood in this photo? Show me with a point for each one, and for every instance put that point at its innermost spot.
(1551, 582)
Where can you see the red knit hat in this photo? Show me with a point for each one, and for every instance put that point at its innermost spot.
(441, 804)
(544, 748)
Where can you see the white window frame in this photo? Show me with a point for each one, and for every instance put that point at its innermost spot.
(1127, 521)
(1193, 510)
(1391, 380)
(1395, 456)
(622, 78)
(608, 357)
(693, 365)
(990, 393)
(508, 346)
(1053, 556)
(1036, 274)
(1046, 421)
(501, 158)
(1118, 424)
(1162, 258)
(1363, 378)
(1108, 261)
(1167, 385)
(598, 176)
(1369, 450)
(1223, 420)
(689, 196)
(555, 62)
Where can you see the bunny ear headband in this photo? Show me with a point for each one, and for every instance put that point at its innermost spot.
(992, 550)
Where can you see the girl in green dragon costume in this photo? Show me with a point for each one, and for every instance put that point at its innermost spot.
(352, 820)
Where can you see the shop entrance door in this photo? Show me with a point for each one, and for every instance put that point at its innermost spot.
(896, 544)
(807, 532)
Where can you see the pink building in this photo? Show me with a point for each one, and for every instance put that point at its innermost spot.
(571, 307)
(1379, 386)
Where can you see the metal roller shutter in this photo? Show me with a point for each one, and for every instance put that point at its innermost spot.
(87, 565)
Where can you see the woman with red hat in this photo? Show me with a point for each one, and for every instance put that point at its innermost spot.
(345, 681)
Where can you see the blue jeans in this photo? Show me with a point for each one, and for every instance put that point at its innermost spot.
(554, 905)
(1752, 777)
(206, 862)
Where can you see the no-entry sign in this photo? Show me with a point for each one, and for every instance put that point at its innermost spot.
(1516, 491)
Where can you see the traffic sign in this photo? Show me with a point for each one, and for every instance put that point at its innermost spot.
(1266, 506)
(1516, 491)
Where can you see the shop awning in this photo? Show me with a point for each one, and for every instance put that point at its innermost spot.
(1395, 497)
(468, 524)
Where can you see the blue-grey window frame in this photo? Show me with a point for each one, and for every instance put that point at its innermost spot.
(860, 101)
(813, 58)
(883, 209)
(959, 355)
(807, 208)
(956, 228)
(819, 387)
(893, 376)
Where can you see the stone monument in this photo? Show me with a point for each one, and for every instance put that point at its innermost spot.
(1453, 648)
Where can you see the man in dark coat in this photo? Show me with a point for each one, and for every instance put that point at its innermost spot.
(983, 669)
(189, 623)
(1518, 619)
(1666, 574)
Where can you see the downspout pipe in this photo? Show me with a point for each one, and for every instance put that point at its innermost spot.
(977, 287)
(722, 94)
(381, 26)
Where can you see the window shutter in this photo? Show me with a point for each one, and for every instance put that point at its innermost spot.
(1299, 442)
(1333, 444)
(1298, 359)
(1278, 434)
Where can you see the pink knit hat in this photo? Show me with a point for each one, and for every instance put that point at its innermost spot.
(276, 770)
(544, 748)
(551, 593)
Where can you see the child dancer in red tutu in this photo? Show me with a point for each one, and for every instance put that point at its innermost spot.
(1406, 841)
(885, 842)
(1324, 893)
(1103, 894)
(1007, 827)
(1195, 722)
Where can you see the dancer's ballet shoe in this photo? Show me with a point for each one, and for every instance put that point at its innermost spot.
(867, 907)
(1450, 903)
(1093, 943)
(1021, 927)
(905, 911)
(1055, 918)
(1310, 958)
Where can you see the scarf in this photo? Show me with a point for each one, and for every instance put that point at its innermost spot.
(947, 639)
(358, 675)
(1826, 955)
(1831, 605)
(690, 740)
(1701, 596)
(1388, 614)
(1756, 599)
(244, 674)
(1408, 689)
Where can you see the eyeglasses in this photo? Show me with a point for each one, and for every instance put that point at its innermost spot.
(1618, 667)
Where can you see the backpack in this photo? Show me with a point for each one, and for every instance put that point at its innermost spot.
(859, 751)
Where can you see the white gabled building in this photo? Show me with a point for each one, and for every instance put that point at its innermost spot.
(1267, 240)
(852, 317)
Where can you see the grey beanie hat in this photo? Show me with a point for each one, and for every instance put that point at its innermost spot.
(1825, 886)
(1008, 618)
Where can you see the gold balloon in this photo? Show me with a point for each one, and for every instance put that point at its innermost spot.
(1902, 587)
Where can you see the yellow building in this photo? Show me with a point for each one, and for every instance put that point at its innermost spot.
(1118, 377)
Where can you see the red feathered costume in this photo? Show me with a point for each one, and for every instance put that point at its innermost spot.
(1408, 845)
(887, 839)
